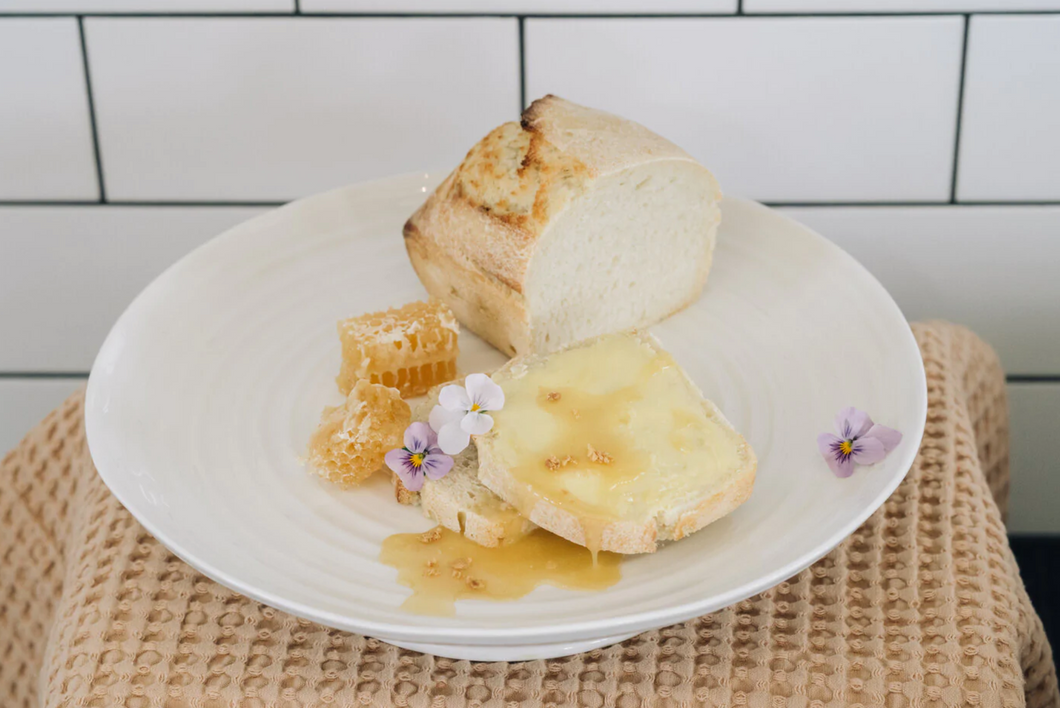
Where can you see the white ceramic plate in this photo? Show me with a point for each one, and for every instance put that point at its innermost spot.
(205, 393)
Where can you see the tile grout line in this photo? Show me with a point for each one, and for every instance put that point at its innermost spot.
(146, 203)
(522, 95)
(41, 375)
(91, 111)
(960, 109)
(600, 15)
(522, 64)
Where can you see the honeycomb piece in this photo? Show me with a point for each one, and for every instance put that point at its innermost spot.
(409, 348)
(352, 438)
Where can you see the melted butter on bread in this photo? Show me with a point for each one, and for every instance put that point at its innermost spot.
(609, 434)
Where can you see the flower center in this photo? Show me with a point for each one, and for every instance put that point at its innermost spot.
(475, 407)
(417, 458)
(846, 447)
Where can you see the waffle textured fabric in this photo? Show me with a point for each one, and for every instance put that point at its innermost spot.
(922, 606)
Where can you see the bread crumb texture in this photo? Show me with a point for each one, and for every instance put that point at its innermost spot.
(432, 535)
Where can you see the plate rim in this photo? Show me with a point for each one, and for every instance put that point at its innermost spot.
(467, 636)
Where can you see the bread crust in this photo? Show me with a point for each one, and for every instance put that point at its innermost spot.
(442, 502)
(473, 240)
(487, 307)
(403, 494)
(628, 537)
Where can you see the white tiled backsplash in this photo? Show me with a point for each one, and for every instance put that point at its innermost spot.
(45, 133)
(920, 135)
(1010, 140)
(274, 109)
(780, 109)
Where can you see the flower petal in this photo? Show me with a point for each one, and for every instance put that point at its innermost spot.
(413, 480)
(454, 398)
(867, 451)
(437, 466)
(452, 439)
(418, 437)
(888, 436)
(840, 464)
(440, 417)
(476, 423)
(398, 461)
(825, 443)
(842, 467)
(481, 389)
(852, 423)
(432, 439)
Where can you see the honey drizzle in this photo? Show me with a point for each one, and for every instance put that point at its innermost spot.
(637, 434)
(442, 567)
(590, 422)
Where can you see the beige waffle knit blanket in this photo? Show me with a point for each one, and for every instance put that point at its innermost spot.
(922, 606)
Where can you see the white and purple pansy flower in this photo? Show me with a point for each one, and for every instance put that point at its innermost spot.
(420, 458)
(462, 412)
(859, 442)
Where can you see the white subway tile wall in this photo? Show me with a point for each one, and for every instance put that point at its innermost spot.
(1010, 142)
(45, 136)
(145, 6)
(994, 269)
(781, 108)
(66, 273)
(913, 6)
(878, 128)
(275, 109)
(559, 7)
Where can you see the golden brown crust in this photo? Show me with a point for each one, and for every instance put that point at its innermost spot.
(485, 220)
(403, 494)
(487, 307)
(532, 114)
(519, 178)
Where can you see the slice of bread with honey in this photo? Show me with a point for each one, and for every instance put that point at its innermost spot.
(610, 445)
(569, 224)
(459, 501)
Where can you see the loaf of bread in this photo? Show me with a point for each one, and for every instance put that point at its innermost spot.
(568, 224)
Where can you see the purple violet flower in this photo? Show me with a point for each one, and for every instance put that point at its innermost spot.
(859, 442)
(421, 457)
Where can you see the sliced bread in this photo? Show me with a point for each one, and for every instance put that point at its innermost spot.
(610, 445)
(566, 225)
(459, 501)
